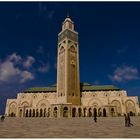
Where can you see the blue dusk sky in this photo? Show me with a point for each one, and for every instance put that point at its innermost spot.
(109, 44)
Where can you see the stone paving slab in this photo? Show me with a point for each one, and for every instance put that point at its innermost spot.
(106, 127)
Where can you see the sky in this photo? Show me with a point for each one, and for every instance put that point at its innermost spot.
(109, 44)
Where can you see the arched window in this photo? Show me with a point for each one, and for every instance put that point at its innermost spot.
(72, 48)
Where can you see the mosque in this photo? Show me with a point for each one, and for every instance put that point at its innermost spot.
(69, 97)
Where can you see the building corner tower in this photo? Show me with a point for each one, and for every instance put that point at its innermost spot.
(68, 80)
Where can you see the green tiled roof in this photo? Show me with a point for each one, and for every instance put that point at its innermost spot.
(41, 89)
(98, 88)
(83, 87)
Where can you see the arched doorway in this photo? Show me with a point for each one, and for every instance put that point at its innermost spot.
(30, 113)
(99, 112)
(27, 113)
(73, 112)
(12, 114)
(94, 112)
(90, 112)
(85, 112)
(44, 112)
(112, 112)
(79, 112)
(20, 113)
(55, 112)
(49, 112)
(104, 112)
(130, 107)
(37, 113)
(117, 109)
(13, 109)
(33, 112)
(41, 112)
(65, 112)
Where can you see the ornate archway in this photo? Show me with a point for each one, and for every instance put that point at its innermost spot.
(43, 104)
(130, 107)
(13, 109)
(118, 109)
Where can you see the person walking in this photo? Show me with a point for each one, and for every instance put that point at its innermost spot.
(129, 120)
(126, 120)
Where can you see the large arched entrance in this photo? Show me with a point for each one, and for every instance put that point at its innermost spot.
(117, 110)
(65, 112)
(130, 107)
(13, 109)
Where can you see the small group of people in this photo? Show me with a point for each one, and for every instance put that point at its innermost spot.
(2, 118)
(127, 120)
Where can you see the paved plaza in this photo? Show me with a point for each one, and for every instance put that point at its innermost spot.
(69, 128)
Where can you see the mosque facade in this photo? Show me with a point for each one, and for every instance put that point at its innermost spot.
(69, 97)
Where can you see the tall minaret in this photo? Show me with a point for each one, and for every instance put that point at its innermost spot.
(68, 80)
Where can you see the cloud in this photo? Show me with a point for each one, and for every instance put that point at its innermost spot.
(124, 73)
(15, 58)
(7, 70)
(28, 62)
(25, 76)
(44, 68)
(10, 70)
